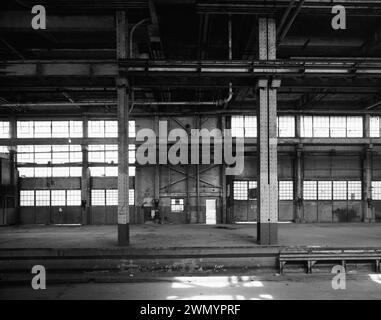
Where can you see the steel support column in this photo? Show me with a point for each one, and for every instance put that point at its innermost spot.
(267, 229)
(298, 187)
(123, 117)
(85, 178)
(223, 180)
(367, 186)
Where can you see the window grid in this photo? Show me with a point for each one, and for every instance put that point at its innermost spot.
(73, 197)
(325, 190)
(374, 126)
(286, 190)
(240, 190)
(42, 198)
(112, 197)
(97, 197)
(340, 190)
(286, 126)
(334, 126)
(354, 190)
(310, 190)
(58, 198)
(26, 198)
(177, 205)
(376, 190)
(4, 129)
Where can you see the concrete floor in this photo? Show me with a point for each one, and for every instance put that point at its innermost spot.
(165, 236)
(233, 287)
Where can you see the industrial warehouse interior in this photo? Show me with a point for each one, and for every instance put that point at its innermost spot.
(190, 150)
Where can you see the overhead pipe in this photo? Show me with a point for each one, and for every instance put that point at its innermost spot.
(285, 16)
(290, 22)
(132, 34)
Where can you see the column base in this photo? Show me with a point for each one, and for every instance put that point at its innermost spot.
(267, 233)
(123, 234)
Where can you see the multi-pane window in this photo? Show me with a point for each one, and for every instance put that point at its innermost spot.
(111, 197)
(354, 190)
(58, 197)
(340, 190)
(73, 197)
(97, 197)
(286, 126)
(325, 190)
(131, 197)
(49, 129)
(109, 171)
(244, 126)
(376, 190)
(286, 190)
(108, 128)
(50, 197)
(103, 153)
(177, 205)
(26, 198)
(374, 126)
(42, 198)
(42, 172)
(310, 190)
(331, 126)
(240, 190)
(4, 129)
(43, 154)
(336, 190)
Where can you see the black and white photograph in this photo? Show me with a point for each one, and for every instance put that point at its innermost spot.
(182, 154)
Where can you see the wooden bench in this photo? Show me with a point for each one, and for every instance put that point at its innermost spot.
(313, 255)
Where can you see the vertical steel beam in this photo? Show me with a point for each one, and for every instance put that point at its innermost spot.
(85, 177)
(223, 180)
(157, 169)
(367, 186)
(123, 118)
(298, 186)
(267, 232)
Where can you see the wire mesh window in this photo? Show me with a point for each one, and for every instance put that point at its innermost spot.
(58, 197)
(26, 198)
(240, 191)
(42, 154)
(111, 129)
(60, 129)
(61, 172)
(42, 129)
(286, 126)
(376, 190)
(374, 126)
(26, 172)
(131, 129)
(98, 197)
(244, 126)
(42, 172)
(306, 126)
(310, 190)
(112, 197)
(4, 129)
(73, 197)
(96, 129)
(354, 127)
(177, 205)
(111, 153)
(325, 190)
(42, 198)
(60, 154)
(340, 190)
(131, 197)
(25, 129)
(338, 127)
(286, 190)
(320, 127)
(25, 154)
(354, 190)
(334, 126)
